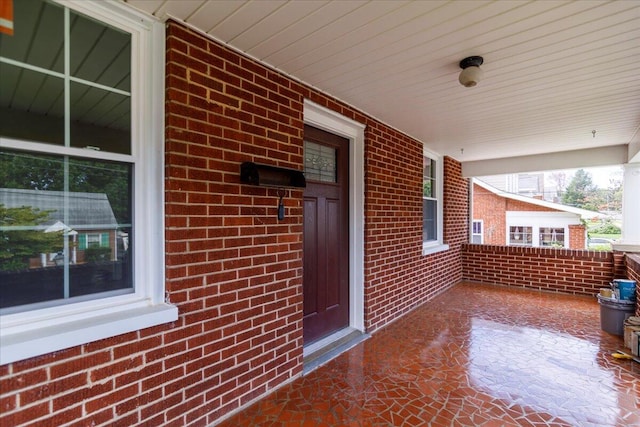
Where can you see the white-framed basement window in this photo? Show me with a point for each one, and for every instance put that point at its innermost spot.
(81, 185)
(432, 201)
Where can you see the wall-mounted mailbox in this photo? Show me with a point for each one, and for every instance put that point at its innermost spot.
(271, 176)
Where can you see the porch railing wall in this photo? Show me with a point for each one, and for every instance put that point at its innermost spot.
(632, 262)
(580, 272)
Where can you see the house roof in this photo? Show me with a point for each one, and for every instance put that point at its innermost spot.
(86, 210)
(583, 213)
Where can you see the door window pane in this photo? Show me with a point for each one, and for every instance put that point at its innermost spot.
(319, 162)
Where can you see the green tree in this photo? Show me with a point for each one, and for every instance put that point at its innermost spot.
(19, 240)
(580, 191)
(614, 196)
(39, 172)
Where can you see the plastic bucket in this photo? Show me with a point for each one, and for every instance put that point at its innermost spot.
(613, 313)
(626, 289)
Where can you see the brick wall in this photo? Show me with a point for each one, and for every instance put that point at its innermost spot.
(556, 270)
(233, 270)
(632, 262)
(397, 276)
(577, 236)
(517, 205)
(619, 265)
(491, 209)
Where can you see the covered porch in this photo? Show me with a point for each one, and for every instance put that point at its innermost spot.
(217, 322)
(475, 355)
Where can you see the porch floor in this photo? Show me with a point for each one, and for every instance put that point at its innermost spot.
(476, 355)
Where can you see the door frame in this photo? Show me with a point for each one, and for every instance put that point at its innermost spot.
(322, 118)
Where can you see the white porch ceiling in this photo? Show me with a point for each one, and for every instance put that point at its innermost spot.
(554, 71)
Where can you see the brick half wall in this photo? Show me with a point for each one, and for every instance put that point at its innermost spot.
(632, 262)
(557, 270)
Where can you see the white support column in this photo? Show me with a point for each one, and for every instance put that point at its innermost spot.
(630, 241)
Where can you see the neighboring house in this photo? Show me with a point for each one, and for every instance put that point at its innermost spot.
(89, 220)
(525, 184)
(502, 218)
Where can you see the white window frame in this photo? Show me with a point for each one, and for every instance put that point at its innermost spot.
(538, 220)
(37, 332)
(481, 234)
(522, 227)
(565, 235)
(437, 245)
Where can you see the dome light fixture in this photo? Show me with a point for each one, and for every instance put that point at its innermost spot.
(471, 72)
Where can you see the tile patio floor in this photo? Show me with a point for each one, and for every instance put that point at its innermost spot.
(476, 355)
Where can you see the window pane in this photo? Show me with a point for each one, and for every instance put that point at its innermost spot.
(429, 177)
(100, 119)
(100, 54)
(553, 237)
(56, 245)
(521, 236)
(31, 105)
(429, 224)
(319, 162)
(38, 37)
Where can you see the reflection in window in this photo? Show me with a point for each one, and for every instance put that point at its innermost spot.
(38, 38)
(429, 201)
(65, 222)
(33, 98)
(552, 237)
(100, 119)
(27, 114)
(521, 236)
(58, 245)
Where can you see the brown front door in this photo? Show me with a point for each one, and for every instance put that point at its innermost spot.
(326, 234)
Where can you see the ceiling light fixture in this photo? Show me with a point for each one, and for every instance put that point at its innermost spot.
(471, 72)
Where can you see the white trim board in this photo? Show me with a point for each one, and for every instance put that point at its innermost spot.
(325, 119)
(590, 157)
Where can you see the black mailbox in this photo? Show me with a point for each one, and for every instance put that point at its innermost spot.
(271, 176)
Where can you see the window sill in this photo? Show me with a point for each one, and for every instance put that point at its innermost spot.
(432, 249)
(24, 345)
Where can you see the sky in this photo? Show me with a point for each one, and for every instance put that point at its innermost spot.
(600, 175)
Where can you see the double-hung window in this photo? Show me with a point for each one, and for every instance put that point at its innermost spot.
(80, 176)
(432, 189)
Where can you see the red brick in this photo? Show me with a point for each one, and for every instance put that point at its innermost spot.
(24, 416)
(224, 243)
(24, 380)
